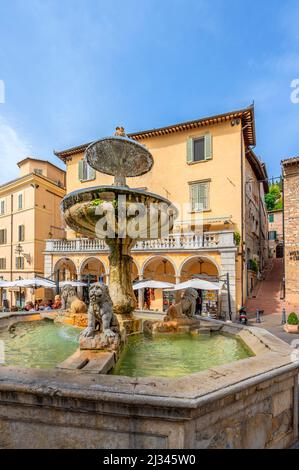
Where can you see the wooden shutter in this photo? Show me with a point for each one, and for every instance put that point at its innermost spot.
(208, 147)
(189, 150)
(91, 172)
(203, 195)
(21, 233)
(194, 197)
(80, 170)
(20, 201)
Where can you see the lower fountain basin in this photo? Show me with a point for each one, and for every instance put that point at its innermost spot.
(39, 344)
(176, 355)
(247, 404)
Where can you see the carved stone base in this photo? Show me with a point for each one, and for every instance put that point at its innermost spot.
(100, 342)
(74, 319)
(179, 325)
(129, 325)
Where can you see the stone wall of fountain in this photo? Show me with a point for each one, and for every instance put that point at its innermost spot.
(252, 403)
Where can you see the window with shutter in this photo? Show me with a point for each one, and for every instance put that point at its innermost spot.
(21, 233)
(271, 218)
(85, 172)
(199, 195)
(199, 149)
(20, 201)
(3, 236)
(2, 263)
(2, 207)
(19, 262)
(272, 235)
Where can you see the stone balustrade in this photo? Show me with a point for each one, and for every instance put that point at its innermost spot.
(174, 242)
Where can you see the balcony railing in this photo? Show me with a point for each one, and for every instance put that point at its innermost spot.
(174, 242)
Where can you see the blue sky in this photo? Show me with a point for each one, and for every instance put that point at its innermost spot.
(75, 69)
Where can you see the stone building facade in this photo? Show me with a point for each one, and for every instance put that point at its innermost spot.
(290, 168)
(29, 214)
(275, 220)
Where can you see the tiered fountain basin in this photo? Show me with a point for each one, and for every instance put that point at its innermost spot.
(248, 403)
(82, 211)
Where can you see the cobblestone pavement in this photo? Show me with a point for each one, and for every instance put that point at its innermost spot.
(272, 323)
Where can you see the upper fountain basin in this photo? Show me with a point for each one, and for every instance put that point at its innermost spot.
(119, 157)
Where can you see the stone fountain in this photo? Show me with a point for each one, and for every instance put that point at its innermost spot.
(119, 214)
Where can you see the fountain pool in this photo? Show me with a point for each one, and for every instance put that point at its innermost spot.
(176, 355)
(41, 344)
(44, 344)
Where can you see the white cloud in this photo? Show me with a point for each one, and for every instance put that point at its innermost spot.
(12, 149)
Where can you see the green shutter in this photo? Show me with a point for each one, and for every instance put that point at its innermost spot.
(208, 147)
(80, 170)
(91, 173)
(203, 197)
(193, 196)
(189, 150)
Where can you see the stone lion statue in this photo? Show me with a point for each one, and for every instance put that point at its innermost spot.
(100, 314)
(70, 300)
(185, 308)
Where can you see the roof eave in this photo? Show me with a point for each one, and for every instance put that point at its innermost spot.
(246, 115)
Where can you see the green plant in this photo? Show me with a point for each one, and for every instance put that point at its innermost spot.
(98, 202)
(237, 238)
(273, 199)
(293, 319)
(254, 265)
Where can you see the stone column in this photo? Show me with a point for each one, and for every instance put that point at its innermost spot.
(228, 265)
(48, 265)
(120, 283)
(177, 293)
(140, 296)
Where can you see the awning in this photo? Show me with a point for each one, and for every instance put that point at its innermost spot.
(196, 284)
(72, 283)
(34, 283)
(6, 284)
(153, 285)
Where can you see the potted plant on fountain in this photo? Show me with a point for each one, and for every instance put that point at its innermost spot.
(292, 325)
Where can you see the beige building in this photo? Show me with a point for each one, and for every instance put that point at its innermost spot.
(290, 169)
(207, 164)
(29, 214)
(275, 220)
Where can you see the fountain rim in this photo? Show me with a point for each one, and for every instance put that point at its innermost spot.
(128, 141)
(66, 202)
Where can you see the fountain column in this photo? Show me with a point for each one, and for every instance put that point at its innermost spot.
(120, 283)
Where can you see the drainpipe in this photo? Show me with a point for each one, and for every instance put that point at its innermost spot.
(242, 213)
(242, 217)
(11, 243)
(283, 235)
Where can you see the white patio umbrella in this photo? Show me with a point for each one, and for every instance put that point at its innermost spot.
(201, 284)
(34, 283)
(73, 283)
(6, 284)
(152, 285)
